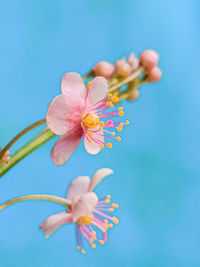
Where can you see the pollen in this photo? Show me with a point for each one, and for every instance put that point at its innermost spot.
(101, 123)
(83, 251)
(107, 200)
(120, 108)
(106, 221)
(118, 138)
(109, 145)
(93, 246)
(109, 103)
(127, 122)
(121, 113)
(90, 133)
(111, 209)
(110, 225)
(115, 220)
(78, 247)
(94, 233)
(101, 242)
(89, 140)
(109, 94)
(113, 133)
(89, 84)
(102, 146)
(115, 99)
(108, 196)
(115, 205)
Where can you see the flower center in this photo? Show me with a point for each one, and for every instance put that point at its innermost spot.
(85, 219)
(90, 120)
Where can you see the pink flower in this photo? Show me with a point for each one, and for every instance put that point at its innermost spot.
(149, 59)
(77, 112)
(87, 211)
(5, 158)
(105, 69)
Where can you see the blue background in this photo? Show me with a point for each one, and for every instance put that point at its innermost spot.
(156, 178)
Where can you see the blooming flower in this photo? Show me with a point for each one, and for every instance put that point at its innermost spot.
(78, 112)
(87, 211)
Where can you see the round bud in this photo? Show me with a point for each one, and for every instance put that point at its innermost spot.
(123, 68)
(134, 95)
(149, 59)
(154, 74)
(105, 69)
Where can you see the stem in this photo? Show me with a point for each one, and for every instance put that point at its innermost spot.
(40, 139)
(59, 200)
(19, 135)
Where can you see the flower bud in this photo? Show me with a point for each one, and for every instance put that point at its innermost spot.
(133, 95)
(105, 69)
(149, 59)
(154, 74)
(123, 68)
(133, 61)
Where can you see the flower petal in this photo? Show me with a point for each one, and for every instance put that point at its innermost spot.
(98, 176)
(59, 116)
(65, 146)
(78, 186)
(84, 205)
(72, 86)
(94, 147)
(52, 223)
(97, 91)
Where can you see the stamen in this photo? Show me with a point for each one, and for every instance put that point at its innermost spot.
(101, 242)
(89, 84)
(83, 251)
(93, 246)
(110, 94)
(120, 108)
(118, 138)
(127, 122)
(115, 98)
(115, 205)
(115, 220)
(121, 113)
(109, 145)
(78, 247)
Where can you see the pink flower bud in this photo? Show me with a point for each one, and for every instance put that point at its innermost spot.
(105, 69)
(149, 59)
(154, 74)
(5, 158)
(134, 95)
(123, 68)
(133, 61)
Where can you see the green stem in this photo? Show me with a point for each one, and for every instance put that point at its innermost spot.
(42, 138)
(59, 200)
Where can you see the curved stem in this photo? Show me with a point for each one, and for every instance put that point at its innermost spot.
(19, 135)
(59, 200)
(40, 139)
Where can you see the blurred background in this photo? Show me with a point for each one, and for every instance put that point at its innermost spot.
(156, 180)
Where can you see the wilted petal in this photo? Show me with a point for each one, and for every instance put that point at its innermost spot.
(98, 176)
(73, 87)
(78, 186)
(59, 115)
(52, 223)
(84, 205)
(97, 91)
(65, 146)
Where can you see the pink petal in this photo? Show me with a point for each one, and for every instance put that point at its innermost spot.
(52, 223)
(72, 86)
(78, 186)
(98, 176)
(65, 146)
(58, 115)
(93, 147)
(97, 91)
(85, 205)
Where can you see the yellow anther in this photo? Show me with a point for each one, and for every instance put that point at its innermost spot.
(115, 98)
(101, 242)
(110, 225)
(89, 84)
(112, 105)
(83, 251)
(93, 246)
(109, 94)
(108, 196)
(107, 200)
(119, 129)
(118, 138)
(115, 205)
(120, 108)
(102, 146)
(113, 133)
(111, 209)
(78, 247)
(109, 145)
(101, 123)
(127, 122)
(106, 226)
(109, 103)
(94, 233)
(106, 221)
(90, 133)
(91, 240)
(115, 220)
(89, 140)
(121, 113)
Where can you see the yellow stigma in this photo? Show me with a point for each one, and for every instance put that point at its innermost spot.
(120, 108)
(115, 205)
(115, 99)
(121, 113)
(110, 225)
(93, 246)
(78, 247)
(109, 94)
(83, 251)
(111, 209)
(101, 242)
(127, 122)
(109, 145)
(102, 146)
(118, 138)
(89, 84)
(90, 120)
(115, 220)
(85, 219)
